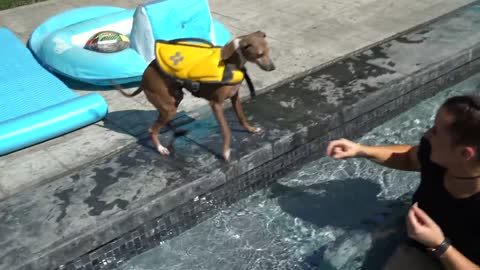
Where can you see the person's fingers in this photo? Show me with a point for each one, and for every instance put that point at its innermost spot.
(421, 216)
(341, 153)
(338, 156)
(408, 219)
(330, 147)
(412, 222)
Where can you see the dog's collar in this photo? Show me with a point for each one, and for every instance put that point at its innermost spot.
(236, 46)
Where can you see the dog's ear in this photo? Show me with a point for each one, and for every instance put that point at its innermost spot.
(261, 33)
(228, 50)
(245, 43)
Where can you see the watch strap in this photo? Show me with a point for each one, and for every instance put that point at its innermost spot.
(441, 249)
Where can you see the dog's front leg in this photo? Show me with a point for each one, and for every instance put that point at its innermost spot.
(217, 109)
(237, 107)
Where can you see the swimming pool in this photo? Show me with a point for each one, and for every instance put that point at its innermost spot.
(324, 215)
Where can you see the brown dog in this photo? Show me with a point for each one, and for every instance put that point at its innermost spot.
(166, 93)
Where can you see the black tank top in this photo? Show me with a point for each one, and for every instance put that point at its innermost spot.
(459, 219)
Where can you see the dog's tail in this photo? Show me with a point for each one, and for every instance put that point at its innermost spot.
(119, 88)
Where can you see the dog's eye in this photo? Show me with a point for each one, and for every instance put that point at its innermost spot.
(247, 46)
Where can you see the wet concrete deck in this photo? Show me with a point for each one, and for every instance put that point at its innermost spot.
(303, 36)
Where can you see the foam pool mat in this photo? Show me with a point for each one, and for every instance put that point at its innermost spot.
(36, 106)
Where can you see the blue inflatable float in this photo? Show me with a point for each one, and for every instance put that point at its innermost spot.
(58, 43)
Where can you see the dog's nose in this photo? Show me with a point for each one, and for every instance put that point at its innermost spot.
(271, 67)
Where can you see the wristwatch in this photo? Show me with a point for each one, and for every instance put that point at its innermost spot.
(440, 249)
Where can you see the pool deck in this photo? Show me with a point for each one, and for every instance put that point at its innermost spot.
(99, 195)
(304, 37)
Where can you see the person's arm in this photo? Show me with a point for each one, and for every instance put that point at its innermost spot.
(423, 229)
(452, 259)
(400, 157)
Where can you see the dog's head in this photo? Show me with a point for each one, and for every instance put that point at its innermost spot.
(252, 48)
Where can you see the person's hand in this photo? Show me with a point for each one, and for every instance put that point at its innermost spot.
(342, 149)
(422, 228)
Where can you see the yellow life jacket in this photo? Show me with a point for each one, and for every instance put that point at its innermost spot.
(195, 60)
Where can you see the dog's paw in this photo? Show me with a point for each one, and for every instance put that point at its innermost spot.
(255, 130)
(226, 155)
(163, 150)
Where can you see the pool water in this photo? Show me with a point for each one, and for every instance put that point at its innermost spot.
(327, 214)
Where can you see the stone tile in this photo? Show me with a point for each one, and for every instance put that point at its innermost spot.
(123, 4)
(3, 195)
(27, 167)
(191, 160)
(107, 193)
(23, 27)
(345, 83)
(314, 9)
(247, 150)
(234, 25)
(359, 3)
(274, 23)
(334, 28)
(128, 115)
(333, 46)
(439, 8)
(134, 3)
(137, 122)
(117, 102)
(291, 117)
(75, 149)
(427, 45)
(206, 133)
(387, 26)
(432, 5)
(235, 10)
(383, 9)
(47, 160)
(374, 36)
(248, 4)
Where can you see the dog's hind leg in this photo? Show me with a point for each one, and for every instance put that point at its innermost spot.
(237, 107)
(164, 117)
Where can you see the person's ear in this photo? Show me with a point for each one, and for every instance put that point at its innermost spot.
(468, 152)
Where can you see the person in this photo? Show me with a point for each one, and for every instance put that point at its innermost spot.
(443, 223)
